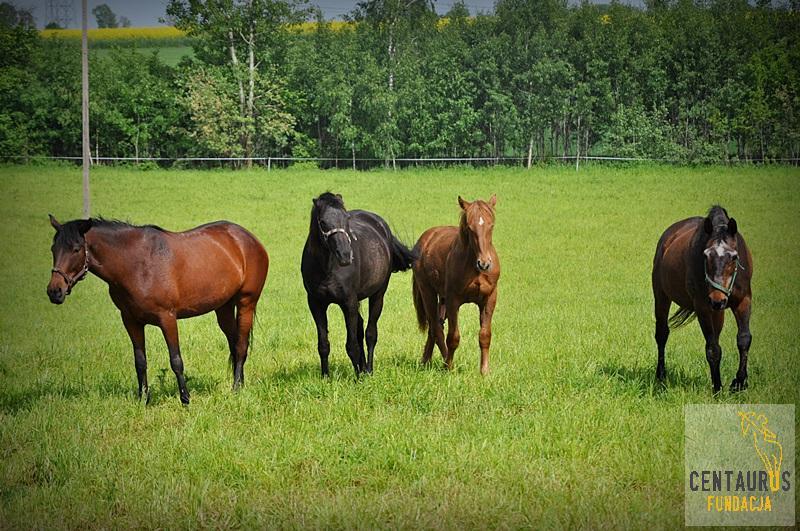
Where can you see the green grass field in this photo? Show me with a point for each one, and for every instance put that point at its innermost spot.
(568, 430)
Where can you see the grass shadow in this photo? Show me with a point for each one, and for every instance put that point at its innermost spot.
(413, 363)
(166, 388)
(16, 400)
(642, 380)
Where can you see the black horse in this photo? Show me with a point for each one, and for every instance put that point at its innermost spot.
(348, 257)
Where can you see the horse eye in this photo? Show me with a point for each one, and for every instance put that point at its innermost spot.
(76, 249)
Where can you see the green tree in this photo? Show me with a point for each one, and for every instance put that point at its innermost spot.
(105, 16)
(250, 39)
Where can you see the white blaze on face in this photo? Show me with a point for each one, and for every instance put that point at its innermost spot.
(480, 220)
(720, 249)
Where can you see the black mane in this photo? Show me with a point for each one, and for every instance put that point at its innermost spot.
(116, 224)
(71, 232)
(719, 220)
(329, 200)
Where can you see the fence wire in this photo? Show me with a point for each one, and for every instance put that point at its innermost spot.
(370, 163)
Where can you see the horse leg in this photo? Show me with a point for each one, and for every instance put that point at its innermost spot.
(485, 336)
(662, 304)
(711, 324)
(375, 309)
(743, 339)
(360, 331)
(226, 319)
(435, 333)
(319, 311)
(245, 311)
(351, 321)
(136, 332)
(453, 334)
(169, 327)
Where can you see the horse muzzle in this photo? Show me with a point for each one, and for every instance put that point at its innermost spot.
(718, 304)
(56, 295)
(483, 266)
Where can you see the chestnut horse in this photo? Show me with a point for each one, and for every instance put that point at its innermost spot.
(457, 265)
(156, 277)
(704, 266)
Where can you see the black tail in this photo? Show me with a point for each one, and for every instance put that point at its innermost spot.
(251, 335)
(402, 256)
(681, 317)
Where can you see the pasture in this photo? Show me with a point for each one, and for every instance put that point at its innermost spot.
(568, 430)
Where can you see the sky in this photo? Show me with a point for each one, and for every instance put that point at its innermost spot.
(143, 13)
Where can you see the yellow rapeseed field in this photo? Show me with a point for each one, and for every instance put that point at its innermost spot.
(159, 32)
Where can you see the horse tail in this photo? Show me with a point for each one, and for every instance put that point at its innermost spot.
(419, 305)
(681, 317)
(402, 256)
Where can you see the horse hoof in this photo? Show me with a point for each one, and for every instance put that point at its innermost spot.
(185, 400)
(738, 386)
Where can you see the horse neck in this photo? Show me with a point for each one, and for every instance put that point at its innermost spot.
(107, 252)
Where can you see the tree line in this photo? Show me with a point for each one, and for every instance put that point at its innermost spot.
(690, 81)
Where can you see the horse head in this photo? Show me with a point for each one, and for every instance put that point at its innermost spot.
(720, 257)
(70, 257)
(330, 218)
(477, 224)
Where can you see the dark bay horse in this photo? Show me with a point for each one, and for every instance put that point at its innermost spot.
(349, 256)
(156, 277)
(704, 266)
(457, 265)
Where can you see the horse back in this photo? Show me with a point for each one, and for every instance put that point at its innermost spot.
(206, 266)
(672, 262)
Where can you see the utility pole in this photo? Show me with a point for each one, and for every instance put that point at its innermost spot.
(85, 104)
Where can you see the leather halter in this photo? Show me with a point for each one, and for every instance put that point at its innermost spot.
(719, 287)
(327, 233)
(71, 281)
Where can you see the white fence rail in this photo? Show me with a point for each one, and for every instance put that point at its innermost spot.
(347, 162)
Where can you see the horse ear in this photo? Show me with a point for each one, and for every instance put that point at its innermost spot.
(55, 224)
(493, 200)
(84, 225)
(708, 226)
(732, 228)
(339, 196)
(463, 203)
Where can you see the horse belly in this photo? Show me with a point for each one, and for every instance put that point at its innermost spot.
(204, 297)
(672, 279)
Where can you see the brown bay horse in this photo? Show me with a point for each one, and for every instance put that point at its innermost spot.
(704, 266)
(457, 265)
(156, 277)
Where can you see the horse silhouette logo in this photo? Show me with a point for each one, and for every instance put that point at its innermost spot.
(765, 442)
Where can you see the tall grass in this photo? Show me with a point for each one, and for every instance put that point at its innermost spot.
(568, 430)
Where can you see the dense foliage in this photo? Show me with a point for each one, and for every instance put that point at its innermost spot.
(689, 81)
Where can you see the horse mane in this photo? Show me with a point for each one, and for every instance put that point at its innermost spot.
(719, 218)
(117, 224)
(329, 199)
(72, 232)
